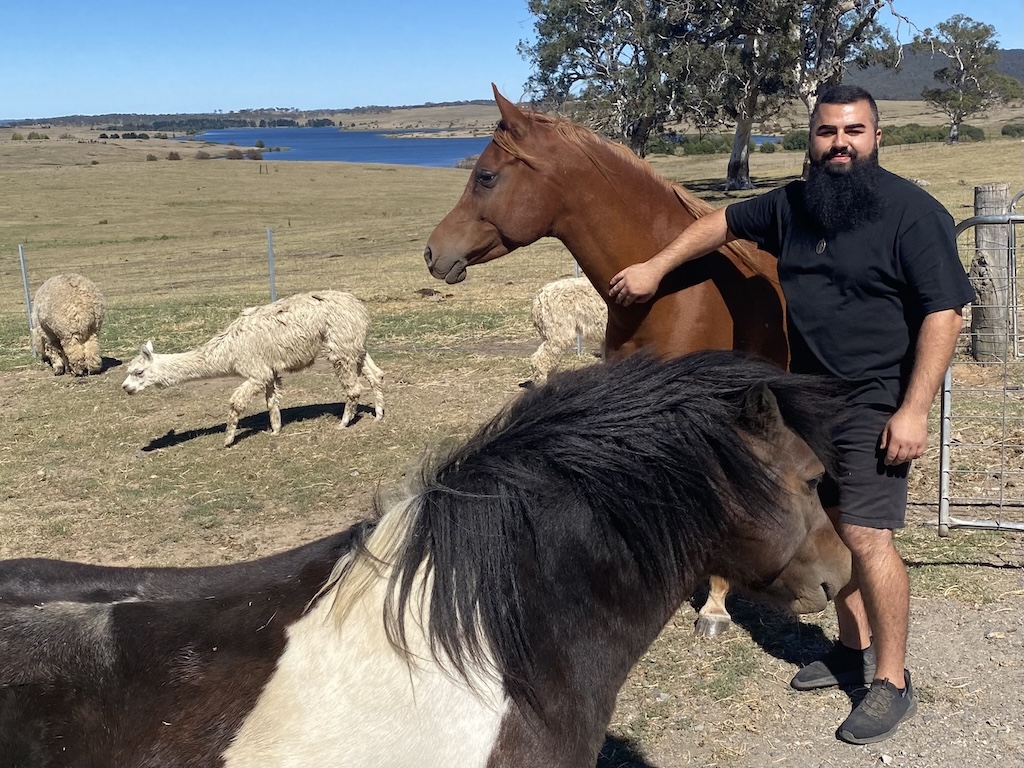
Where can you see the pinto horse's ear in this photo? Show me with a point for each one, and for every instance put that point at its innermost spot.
(761, 414)
(512, 118)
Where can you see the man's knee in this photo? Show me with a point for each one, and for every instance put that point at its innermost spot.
(862, 540)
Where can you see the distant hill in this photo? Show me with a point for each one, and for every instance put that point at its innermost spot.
(916, 73)
(245, 118)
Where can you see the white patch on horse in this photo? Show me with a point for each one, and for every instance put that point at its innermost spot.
(343, 695)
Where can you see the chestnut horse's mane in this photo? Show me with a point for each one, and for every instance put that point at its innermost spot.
(587, 140)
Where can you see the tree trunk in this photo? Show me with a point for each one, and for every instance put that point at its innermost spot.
(954, 138)
(739, 161)
(990, 276)
(639, 134)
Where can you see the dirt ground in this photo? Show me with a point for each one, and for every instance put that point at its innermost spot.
(967, 664)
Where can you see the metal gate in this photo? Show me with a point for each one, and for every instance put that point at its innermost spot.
(982, 415)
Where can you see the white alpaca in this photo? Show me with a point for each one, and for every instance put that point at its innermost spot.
(561, 310)
(264, 342)
(67, 314)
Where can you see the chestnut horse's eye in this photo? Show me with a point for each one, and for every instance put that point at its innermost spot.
(486, 178)
(812, 484)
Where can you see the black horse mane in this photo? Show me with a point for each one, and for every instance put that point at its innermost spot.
(646, 451)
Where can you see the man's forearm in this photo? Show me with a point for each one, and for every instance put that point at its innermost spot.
(639, 282)
(935, 345)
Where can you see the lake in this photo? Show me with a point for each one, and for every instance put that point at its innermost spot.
(352, 146)
(359, 146)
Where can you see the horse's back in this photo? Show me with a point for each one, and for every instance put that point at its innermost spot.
(38, 580)
(119, 657)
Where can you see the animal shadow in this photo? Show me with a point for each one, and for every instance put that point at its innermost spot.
(780, 634)
(255, 423)
(106, 363)
(621, 753)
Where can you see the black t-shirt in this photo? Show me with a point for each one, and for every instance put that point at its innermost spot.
(856, 299)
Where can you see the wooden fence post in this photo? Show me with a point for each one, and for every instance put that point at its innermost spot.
(989, 273)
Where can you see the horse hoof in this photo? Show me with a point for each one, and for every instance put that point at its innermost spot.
(705, 627)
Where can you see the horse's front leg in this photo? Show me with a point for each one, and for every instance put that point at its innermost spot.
(713, 619)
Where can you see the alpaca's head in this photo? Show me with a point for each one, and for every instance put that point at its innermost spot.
(140, 370)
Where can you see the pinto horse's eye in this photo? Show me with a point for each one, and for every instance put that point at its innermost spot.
(486, 178)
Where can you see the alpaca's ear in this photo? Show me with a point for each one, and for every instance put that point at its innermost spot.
(147, 350)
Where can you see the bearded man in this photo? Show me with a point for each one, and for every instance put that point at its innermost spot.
(874, 291)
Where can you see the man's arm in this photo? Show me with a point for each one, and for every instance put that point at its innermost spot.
(906, 434)
(639, 282)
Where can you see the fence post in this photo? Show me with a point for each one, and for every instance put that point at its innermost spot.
(28, 295)
(990, 276)
(270, 264)
(579, 336)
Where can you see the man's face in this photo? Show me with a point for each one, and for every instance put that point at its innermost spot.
(842, 134)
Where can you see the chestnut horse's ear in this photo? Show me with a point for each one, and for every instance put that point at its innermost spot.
(512, 118)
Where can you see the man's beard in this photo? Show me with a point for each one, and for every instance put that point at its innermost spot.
(841, 200)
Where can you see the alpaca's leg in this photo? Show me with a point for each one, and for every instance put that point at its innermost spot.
(52, 353)
(273, 392)
(346, 368)
(93, 360)
(546, 358)
(239, 401)
(375, 376)
(75, 355)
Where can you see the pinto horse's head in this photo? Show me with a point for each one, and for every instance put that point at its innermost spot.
(506, 204)
(803, 564)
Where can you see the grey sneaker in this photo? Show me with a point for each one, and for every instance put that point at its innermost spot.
(840, 666)
(879, 715)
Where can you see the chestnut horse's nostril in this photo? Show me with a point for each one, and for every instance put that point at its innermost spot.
(427, 255)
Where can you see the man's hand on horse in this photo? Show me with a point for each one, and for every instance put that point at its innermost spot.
(636, 283)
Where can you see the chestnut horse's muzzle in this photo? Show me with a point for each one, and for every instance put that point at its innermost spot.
(450, 270)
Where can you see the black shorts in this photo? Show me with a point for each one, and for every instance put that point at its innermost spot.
(867, 492)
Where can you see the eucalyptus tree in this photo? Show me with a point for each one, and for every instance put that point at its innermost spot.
(625, 67)
(971, 82)
(785, 49)
(758, 77)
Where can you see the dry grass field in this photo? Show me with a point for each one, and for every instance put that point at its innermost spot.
(179, 247)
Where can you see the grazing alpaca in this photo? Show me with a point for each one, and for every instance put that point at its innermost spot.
(67, 314)
(561, 310)
(264, 342)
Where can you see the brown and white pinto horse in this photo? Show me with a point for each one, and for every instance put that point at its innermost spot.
(487, 620)
(546, 177)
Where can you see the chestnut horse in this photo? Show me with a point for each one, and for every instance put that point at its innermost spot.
(487, 620)
(546, 177)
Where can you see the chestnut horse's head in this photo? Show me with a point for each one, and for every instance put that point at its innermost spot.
(506, 204)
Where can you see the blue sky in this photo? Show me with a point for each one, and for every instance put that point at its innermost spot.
(65, 57)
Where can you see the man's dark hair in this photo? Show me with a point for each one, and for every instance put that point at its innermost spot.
(845, 94)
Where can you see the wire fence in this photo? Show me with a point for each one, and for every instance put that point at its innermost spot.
(982, 410)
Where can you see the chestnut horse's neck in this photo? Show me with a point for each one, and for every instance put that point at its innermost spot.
(620, 212)
(624, 213)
